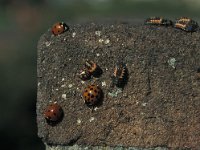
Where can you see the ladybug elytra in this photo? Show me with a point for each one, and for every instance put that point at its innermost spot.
(53, 112)
(92, 95)
(59, 28)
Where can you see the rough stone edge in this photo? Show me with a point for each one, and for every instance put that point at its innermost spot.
(77, 147)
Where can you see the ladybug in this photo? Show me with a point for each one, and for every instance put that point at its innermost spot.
(92, 95)
(84, 74)
(59, 28)
(53, 113)
(120, 74)
(186, 24)
(158, 21)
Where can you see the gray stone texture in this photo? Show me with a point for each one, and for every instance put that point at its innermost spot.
(159, 105)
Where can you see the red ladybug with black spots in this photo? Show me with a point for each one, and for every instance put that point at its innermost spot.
(92, 95)
(53, 113)
(59, 28)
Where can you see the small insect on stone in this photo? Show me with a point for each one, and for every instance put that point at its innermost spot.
(119, 76)
(53, 113)
(158, 21)
(93, 68)
(59, 28)
(92, 95)
(186, 24)
(183, 19)
(84, 74)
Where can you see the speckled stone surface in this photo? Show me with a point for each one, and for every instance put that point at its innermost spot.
(159, 106)
(77, 147)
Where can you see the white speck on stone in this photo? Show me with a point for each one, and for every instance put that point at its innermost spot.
(63, 79)
(56, 89)
(172, 62)
(98, 54)
(39, 83)
(64, 96)
(101, 40)
(54, 77)
(98, 33)
(107, 41)
(69, 59)
(106, 69)
(63, 85)
(73, 34)
(91, 119)
(95, 109)
(47, 44)
(144, 104)
(78, 121)
(142, 113)
(103, 83)
(70, 86)
(64, 39)
(82, 82)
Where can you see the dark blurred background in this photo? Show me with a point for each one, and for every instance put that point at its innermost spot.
(22, 22)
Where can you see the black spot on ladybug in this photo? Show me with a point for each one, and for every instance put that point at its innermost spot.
(91, 89)
(54, 114)
(88, 94)
(95, 91)
(92, 96)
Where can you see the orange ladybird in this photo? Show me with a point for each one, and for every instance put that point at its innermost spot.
(92, 95)
(53, 112)
(59, 28)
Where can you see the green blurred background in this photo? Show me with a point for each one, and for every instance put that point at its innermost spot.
(22, 22)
